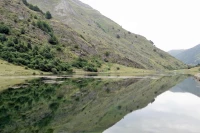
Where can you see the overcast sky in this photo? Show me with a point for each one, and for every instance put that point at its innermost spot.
(170, 24)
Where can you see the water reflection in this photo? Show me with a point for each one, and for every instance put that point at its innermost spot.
(177, 111)
(76, 105)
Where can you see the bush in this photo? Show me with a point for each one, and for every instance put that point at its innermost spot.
(4, 29)
(54, 106)
(107, 53)
(22, 31)
(118, 36)
(25, 2)
(44, 26)
(32, 7)
(87, 66)
(90, 68)
(48, 15)
(54, 71)
(3, 38)
(53, 40)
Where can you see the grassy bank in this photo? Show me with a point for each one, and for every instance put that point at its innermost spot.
(8, 70)
(191, 71)
(117, 69)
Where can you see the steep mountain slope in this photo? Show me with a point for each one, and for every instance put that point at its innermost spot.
(104, 38)
(175, 52)
(77, 36)
(190, 56)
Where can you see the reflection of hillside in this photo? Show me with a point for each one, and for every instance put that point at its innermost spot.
(77, 105)
(189, 85)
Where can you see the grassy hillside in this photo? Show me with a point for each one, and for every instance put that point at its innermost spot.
(105, 39)
(76, 37)
(76, 105)
(28, 38)
(190, 56)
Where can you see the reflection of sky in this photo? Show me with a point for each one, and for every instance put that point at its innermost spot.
(170, 113)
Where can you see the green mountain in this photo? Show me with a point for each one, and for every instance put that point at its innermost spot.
(190, 56)
(76, 37)
(175, 52)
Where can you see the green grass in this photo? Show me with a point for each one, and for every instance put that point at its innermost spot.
(9, 71)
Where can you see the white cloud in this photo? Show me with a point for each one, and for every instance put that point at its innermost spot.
(170, 24)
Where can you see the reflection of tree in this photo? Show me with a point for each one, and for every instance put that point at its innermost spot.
(76, 105)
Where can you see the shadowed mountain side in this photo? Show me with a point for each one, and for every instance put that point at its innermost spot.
(104, 38)
(77, 105)
(175, 52)
(190, 56)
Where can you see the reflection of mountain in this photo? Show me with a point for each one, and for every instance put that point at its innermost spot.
(189, 85)
(77, 105)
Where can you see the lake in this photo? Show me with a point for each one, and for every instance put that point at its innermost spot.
(102, 104)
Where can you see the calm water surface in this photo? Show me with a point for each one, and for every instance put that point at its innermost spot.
(177, 111)
(99, 104)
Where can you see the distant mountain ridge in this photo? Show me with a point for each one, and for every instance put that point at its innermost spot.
(175, 52)
(190, 56)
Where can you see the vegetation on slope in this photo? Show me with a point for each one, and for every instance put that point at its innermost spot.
(30, 37)
(17, 51)
(104, 38)
(27, 38)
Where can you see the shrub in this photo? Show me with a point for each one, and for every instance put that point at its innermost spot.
(35, 17)
(48, 15)
(54, 71)
(4, 29)
(53, 40)
(25, 2)
(3, 38)
(90, 68)
(32, 7)
(119, 107)
(107, 53)
(118, 36)
(22, 31)
(54, 106)
(44, 26)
